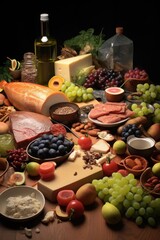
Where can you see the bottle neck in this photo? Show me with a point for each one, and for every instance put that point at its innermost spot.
(44, 30)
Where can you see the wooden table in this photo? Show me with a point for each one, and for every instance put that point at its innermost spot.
(92, 227)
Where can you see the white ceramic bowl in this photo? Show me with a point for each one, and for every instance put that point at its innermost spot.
(21, 191)
(143, 146)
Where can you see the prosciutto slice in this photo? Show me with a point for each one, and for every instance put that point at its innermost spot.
(26, 126)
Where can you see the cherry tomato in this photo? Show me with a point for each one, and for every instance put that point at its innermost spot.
(65, 196)
(85, 142)
(109, 167)
(75, 209)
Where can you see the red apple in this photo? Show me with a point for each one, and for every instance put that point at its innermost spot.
(109, 167)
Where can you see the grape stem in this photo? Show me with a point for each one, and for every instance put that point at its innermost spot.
(125, 82)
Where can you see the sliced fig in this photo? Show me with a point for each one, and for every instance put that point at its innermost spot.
(17, 178)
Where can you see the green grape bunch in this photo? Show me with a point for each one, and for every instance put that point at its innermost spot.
(129, 197)
(151, 111)
(149, 92)
(77, 93)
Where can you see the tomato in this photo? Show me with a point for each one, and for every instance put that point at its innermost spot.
(57, 129)
(110, 167)
(85, 142)
(75, 209)
(65, 196)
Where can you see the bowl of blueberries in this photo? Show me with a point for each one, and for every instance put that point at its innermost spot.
(49, 147)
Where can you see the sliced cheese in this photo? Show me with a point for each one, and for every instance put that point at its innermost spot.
(100, 146)
(69, 67)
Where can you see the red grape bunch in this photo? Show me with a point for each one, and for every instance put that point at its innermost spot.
(17, 158)
(103, 78)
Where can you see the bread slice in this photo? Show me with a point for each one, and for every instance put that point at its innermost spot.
(100, 146)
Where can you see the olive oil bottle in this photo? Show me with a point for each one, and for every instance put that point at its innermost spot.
(45, 48)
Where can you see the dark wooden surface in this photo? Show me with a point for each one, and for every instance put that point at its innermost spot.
(91, 227)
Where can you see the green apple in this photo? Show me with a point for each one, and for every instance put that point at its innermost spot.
(156, 169)
(119, 147)
(111, 213)
(32, 169)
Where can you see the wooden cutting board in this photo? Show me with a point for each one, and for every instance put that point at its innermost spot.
(69, 175)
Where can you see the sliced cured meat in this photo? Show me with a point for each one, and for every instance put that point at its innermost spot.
(26, 126)
(111, 118)
(106, 108)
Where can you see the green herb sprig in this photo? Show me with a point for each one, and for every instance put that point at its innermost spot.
(4, 72)
(86, 41)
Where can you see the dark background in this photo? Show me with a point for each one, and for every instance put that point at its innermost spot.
(20, 25)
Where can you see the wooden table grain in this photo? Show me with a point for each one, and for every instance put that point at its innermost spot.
(92, 227)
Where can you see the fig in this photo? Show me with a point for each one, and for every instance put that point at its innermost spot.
(17, 178)
(86, 194)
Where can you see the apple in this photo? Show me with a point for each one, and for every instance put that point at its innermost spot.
(123, 172)
(156, 169)
(32, 169)
(109, 167)
(119, 147)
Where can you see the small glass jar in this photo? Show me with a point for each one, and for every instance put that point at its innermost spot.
(46, 170)
(29, 68)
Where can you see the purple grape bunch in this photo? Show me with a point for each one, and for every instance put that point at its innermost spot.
(103, 78)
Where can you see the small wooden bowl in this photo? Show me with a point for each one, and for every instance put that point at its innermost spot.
(145, 176)
(155, 157)
(4, 165)
(136, 172)
(131, 83)
(65, 116)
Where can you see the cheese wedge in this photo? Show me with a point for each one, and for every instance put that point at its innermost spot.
(69, 67)
(100, 146)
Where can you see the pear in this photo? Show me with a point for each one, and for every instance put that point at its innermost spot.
(111, 213)
(86, 194)
(154, 131)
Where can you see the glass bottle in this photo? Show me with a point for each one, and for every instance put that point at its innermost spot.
(45, 48)
(29, 68)
(117, 52)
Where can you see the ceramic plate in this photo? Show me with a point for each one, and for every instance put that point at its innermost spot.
(23, 191)
(107, 124)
